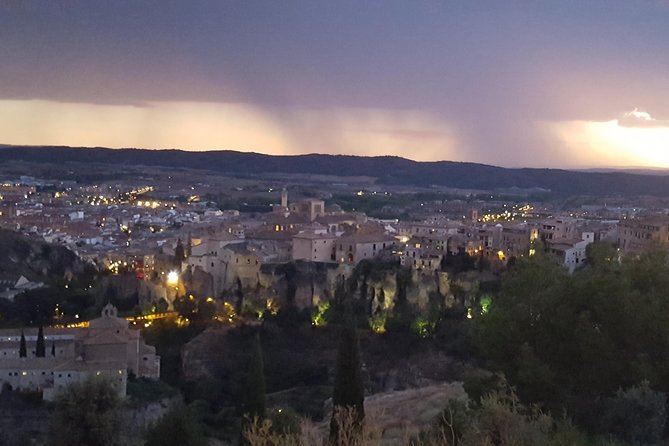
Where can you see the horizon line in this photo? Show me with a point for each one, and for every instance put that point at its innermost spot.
(254, 152)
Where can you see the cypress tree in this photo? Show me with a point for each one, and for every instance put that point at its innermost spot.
(349, 392)
(239, 293)
(253, 404)
(179, 253)
(23, 351)
(189, 245)
(40, 347)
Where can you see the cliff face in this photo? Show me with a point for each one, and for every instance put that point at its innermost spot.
(307, 284)
(303, 284)
(35, 259)
(126, 291)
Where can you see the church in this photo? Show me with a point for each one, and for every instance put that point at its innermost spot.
(108, 347)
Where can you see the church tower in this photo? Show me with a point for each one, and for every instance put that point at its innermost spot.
(284, 198)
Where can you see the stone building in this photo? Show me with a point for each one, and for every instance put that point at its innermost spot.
(314, 247)
(107, 347)
(636, 235)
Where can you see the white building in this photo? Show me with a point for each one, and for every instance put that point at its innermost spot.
(571, 254)
(356, 247)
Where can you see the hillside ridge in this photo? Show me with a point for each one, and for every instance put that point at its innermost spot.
(391, 170)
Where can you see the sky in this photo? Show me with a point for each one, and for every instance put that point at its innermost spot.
(534, 83)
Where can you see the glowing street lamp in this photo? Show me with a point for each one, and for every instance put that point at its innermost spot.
(172, 278)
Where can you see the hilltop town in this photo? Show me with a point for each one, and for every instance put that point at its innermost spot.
(145, 275)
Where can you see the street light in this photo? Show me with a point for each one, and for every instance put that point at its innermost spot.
(172, 278)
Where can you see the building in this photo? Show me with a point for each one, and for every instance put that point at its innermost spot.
(358, 246)
(560, 228)
(635, 235)
(571, 254)
(516, 240)
(310, 208)
(107, 347)
(314, 247)
(424, 253)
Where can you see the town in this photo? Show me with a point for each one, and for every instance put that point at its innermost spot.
(351, 223)
(199, 255)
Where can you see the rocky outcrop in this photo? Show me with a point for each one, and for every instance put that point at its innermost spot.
(35, 259)
(138, 418)
(393, 416)
(200, 356)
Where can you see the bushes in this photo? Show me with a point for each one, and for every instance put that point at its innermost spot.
(637, 414)
(87, 414)
(149, 390)
(177, 428)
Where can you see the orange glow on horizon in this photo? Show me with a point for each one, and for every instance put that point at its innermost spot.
(610, 144)
(413, 134)
(215, 126)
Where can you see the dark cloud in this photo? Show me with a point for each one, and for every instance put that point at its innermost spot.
(488, 70)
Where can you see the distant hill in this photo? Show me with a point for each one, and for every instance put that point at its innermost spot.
(387, 169)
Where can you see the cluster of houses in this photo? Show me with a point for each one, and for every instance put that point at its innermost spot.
(338, 237)
(232, 251)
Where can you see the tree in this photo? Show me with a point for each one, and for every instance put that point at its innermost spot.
(88, 414)
(402, 316)
(253, 403)
(239, 294)
(177, 427)
(349, 392)
(179, 254)
(205, 310)
(637, 415)
(23, 351)
(568, 341)
(185, 307)
(189, 245)
(40, 347)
